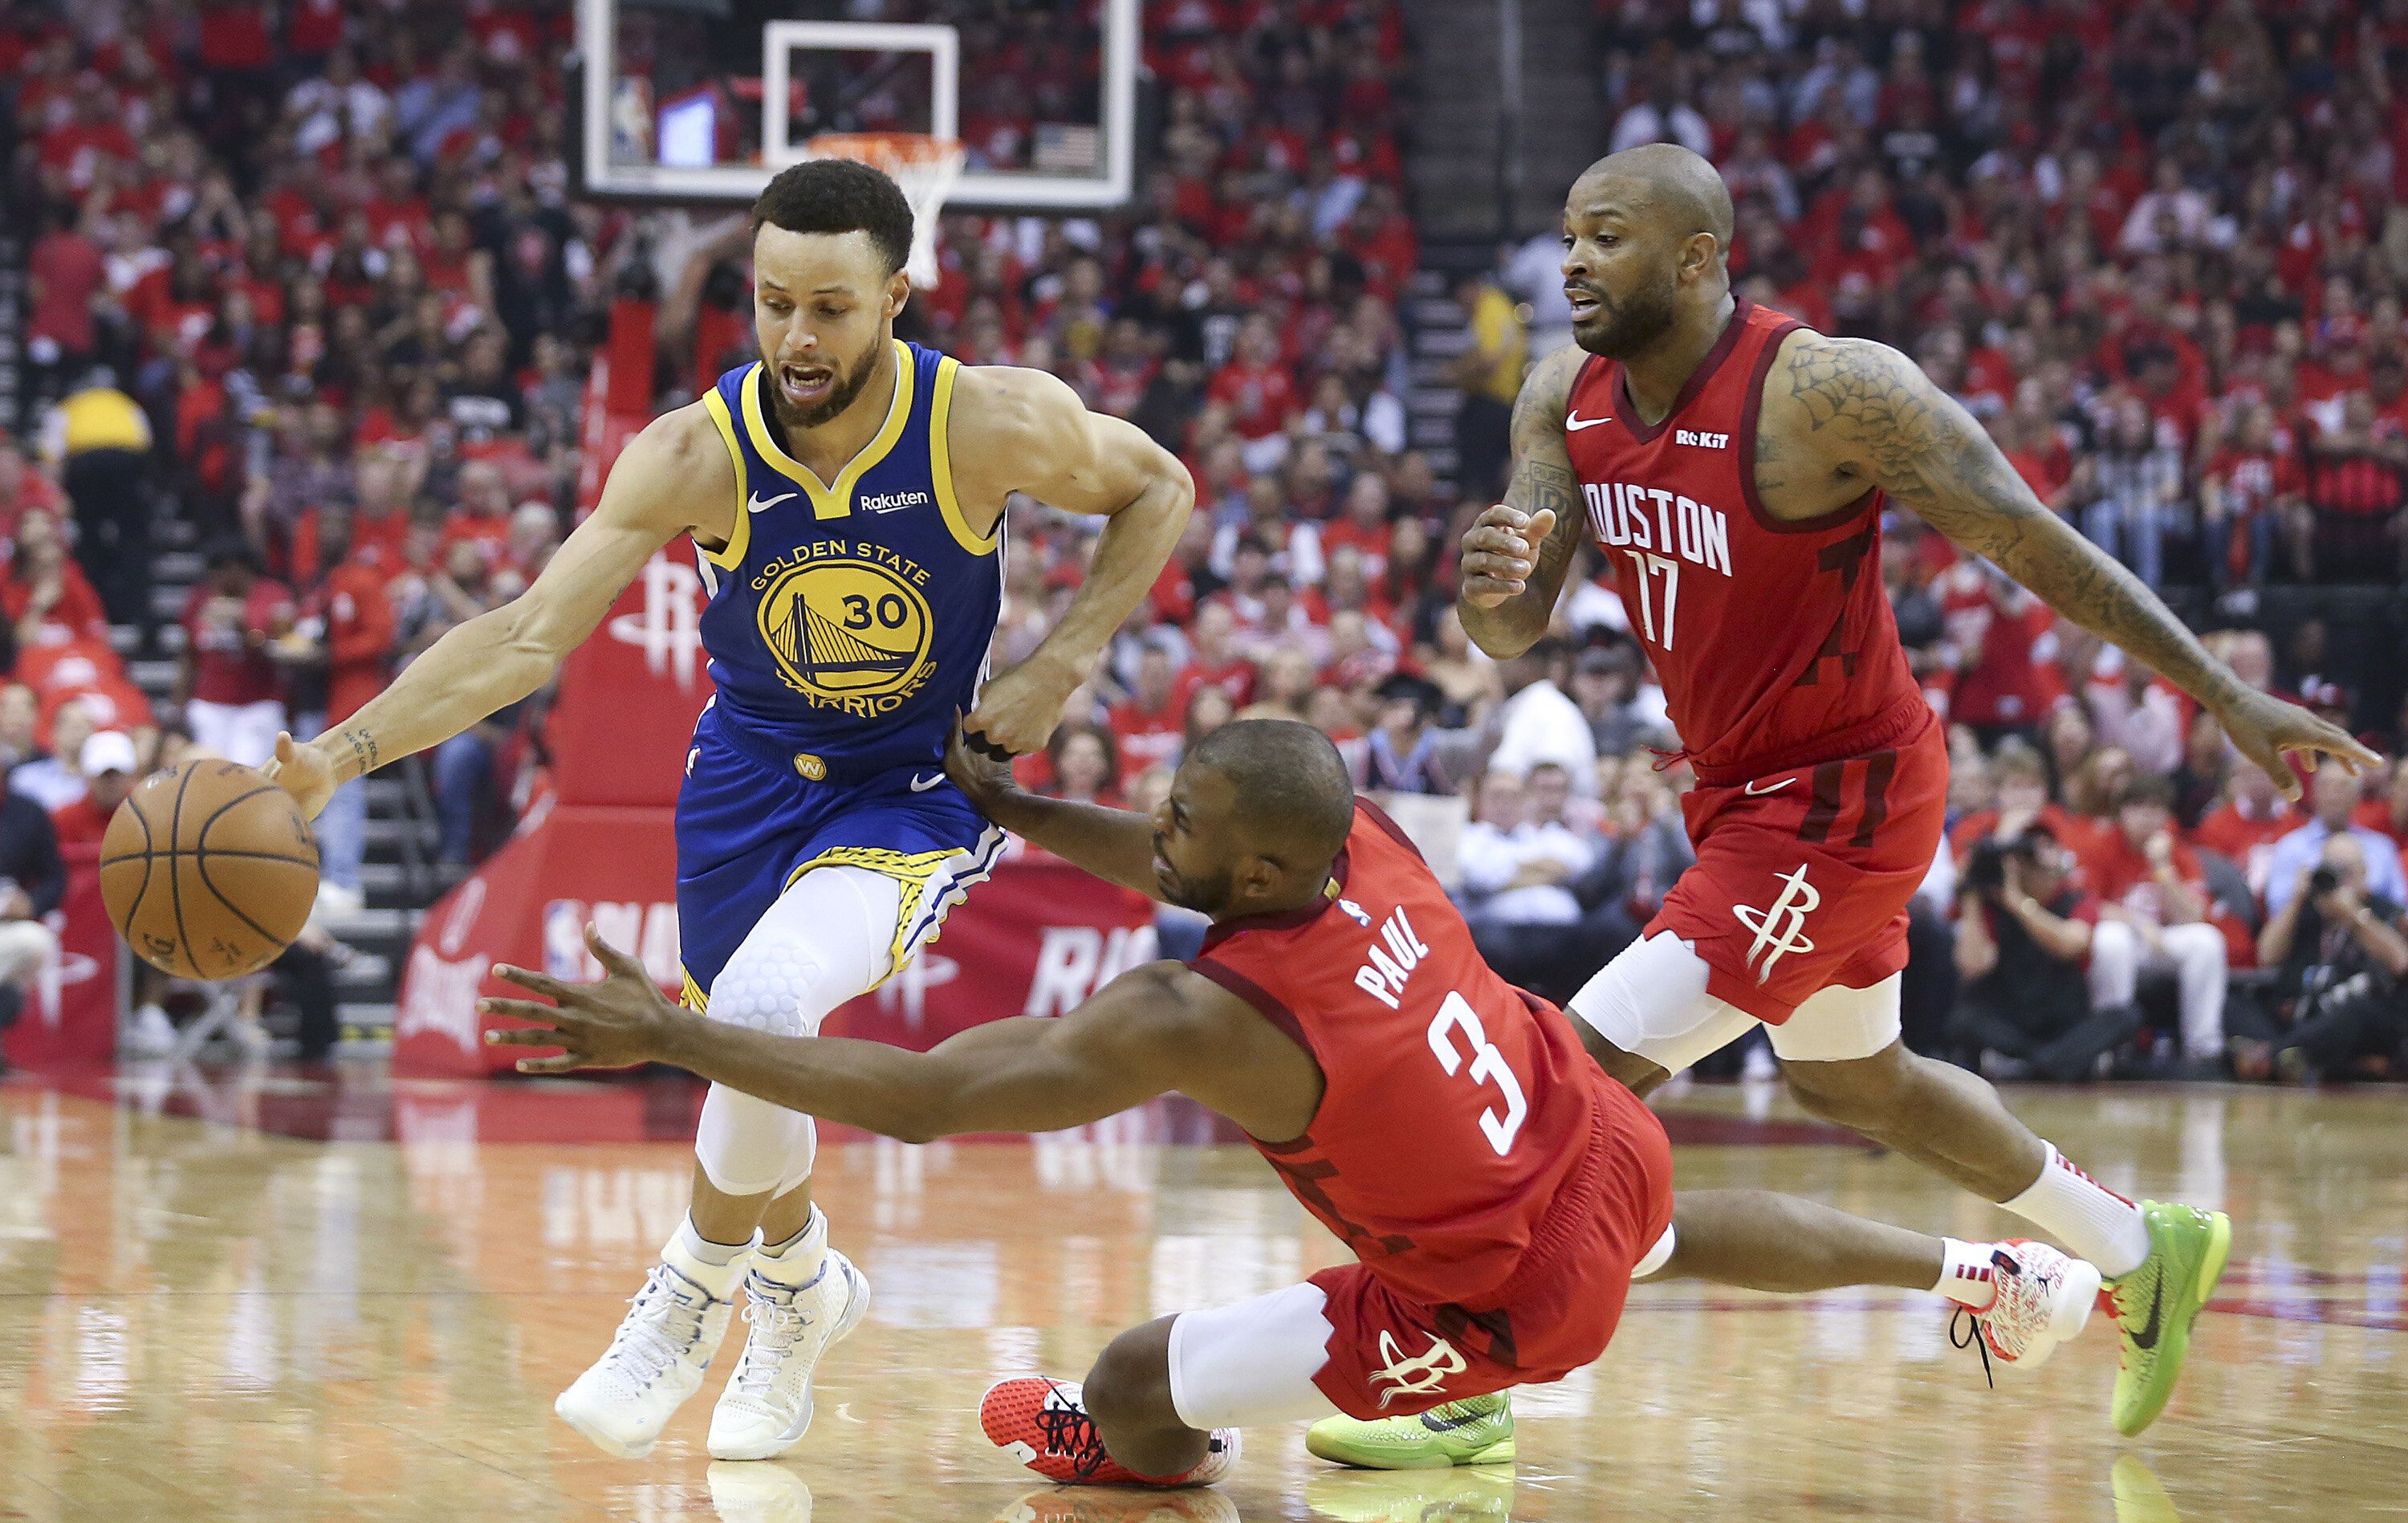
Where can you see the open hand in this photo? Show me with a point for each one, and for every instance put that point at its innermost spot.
(2267, 730)
(303, 771)
(618, 1023)
(1499, 552)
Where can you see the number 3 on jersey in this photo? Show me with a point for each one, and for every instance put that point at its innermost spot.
(1487, 1067)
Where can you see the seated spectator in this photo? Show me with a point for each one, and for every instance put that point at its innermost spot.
(55, 780)
(1406, 751)
(2138, 479)
(2333, 797)
(1539, 722)
(2245, 826)
(2156, 915)
(1215, 660)
(2343, 951)
(1084, 767)
(2355, 496)
(21, 715)
(352, 623)
(232, 684)
(2026, 1004)
(483, 516)
(45, 597)
(33, 880)
(1605, 684)
(1516, 877)
(2384, 808)
(1207, 708)
(110, 768)
(1147, 724)
(2019, 780)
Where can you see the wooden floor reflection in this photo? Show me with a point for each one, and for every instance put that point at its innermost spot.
(204, 1318)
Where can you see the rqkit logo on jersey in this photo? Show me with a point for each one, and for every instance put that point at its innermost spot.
(1421, 1375)
(1702, 440)
(1782, 928)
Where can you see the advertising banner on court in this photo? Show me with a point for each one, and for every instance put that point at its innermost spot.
(1034, 941)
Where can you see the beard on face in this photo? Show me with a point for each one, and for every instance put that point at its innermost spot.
(840, 397)
(1624, 329)
(1206, 897)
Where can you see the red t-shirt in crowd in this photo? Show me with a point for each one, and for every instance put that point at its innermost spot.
(2119, 873)
(76, 613)
(359, 635)
(1234, 677)
(228, 667)
(1147, 737)
(2247, 840)
(81, 823)
(69, 268)
(1260, 397)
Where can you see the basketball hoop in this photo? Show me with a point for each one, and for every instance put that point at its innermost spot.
(926, 167)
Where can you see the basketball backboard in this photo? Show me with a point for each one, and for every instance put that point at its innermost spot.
(702, 100)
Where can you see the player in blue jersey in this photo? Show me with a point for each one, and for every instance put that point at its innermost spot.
(845, 496)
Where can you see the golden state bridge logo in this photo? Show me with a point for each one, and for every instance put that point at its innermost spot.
(847, 625)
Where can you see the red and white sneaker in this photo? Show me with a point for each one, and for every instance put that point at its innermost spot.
(2045, 1298)
(1044, 1425)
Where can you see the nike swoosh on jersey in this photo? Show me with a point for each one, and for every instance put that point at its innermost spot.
(922, 785)
(755, 503)
(1752, 790)
(1574, 422)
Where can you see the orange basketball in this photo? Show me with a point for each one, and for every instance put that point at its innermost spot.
(209, 870)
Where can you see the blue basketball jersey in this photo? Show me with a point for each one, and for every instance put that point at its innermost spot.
(848, 620)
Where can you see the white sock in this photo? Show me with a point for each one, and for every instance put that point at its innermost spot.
(2087, 1217)
(798, 1260)
(714, 1266)
(1966, 1275)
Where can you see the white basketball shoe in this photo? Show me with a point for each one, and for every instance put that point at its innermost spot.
(657, 1358)
(2045, 1298)
(767, 1406)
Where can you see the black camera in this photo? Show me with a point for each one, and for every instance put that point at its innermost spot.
(2322, 881)
(1985, 868)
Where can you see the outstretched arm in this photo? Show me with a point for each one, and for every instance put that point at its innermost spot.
(1872, 413)
(1115, 844)
(1017, 430)
(1515, 553)
(1146, 1033)
(674, 466)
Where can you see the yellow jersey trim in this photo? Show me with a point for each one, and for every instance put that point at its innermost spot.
(732, 555)
(832, 502)
(940, 462)
(691, 996)
(911, 870)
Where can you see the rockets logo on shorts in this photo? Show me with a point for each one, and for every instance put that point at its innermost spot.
(1782, 928)
(1422, 1374)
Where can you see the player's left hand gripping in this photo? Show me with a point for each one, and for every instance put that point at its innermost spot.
(978, 766)
(1018, 708)
(617, 1023)
(2268, 730)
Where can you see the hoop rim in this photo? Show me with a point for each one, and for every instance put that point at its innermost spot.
(908, 150)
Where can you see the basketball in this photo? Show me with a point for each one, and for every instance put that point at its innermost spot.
(209, 870)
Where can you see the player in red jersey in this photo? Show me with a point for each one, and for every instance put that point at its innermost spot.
(1499, 1191)
(1734, 465)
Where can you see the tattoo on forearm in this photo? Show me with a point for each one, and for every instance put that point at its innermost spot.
(1915, 443)
(1542, 479)
(364, 750)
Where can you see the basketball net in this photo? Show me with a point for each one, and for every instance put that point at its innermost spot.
(926, 167)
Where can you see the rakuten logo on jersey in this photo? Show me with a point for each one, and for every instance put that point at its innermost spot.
(1622, 514)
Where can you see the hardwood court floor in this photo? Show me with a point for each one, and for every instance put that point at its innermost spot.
(339, 1297)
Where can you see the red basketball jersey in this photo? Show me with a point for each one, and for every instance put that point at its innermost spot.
(1456, 1106)
(1773, 641)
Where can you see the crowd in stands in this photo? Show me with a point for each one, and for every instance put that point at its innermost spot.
(309, 274)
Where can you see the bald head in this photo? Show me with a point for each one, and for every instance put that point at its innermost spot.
(1676, 191)
(1647, 237)
(1291, 789)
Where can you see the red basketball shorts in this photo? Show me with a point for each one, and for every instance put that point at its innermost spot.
(1389, 1355)
(1802, 877)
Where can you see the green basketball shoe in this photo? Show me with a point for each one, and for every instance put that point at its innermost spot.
(2157, 1303)
(1476, 1431)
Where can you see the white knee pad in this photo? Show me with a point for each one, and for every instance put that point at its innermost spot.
(1651, 1001)
(825, 939)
